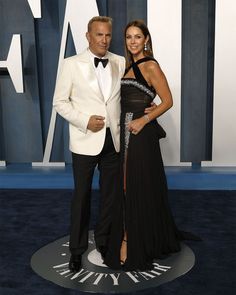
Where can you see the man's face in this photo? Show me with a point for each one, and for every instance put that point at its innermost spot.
(99, 38)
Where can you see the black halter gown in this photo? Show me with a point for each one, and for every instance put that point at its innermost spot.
(142, 210)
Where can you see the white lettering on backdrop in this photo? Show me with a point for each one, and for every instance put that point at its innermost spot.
(164, 23)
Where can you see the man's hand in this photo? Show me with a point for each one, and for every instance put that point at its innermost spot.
(96, 123)
(151, 108)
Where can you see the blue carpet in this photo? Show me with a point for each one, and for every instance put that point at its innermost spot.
(30, 219)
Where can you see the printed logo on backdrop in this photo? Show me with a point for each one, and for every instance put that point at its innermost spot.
(51, 262)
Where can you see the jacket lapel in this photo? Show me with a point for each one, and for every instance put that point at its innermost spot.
(87, 70)
(114, 73)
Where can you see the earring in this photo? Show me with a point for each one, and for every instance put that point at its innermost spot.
(145, 47)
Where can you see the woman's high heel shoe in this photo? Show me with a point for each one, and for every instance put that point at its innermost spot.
(122, 261)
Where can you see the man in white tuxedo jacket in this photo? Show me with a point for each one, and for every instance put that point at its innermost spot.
(87, 95)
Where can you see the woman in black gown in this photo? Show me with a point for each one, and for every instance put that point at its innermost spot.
(143, 228)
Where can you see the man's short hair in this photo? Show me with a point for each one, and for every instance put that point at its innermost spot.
(103, 19)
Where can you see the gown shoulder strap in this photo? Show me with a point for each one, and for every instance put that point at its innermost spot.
(127, 69)
(138, 75)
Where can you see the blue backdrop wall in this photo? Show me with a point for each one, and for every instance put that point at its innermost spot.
(25, 117)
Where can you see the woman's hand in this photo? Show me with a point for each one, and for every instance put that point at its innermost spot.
(137, 125)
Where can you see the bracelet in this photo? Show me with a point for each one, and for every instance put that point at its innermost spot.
(146, 117)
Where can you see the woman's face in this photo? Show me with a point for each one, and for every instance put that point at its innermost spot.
(135, 41)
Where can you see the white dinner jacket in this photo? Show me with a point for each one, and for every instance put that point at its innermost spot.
(77, 96)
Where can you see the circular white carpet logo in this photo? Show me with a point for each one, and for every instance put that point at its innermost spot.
(51, 262)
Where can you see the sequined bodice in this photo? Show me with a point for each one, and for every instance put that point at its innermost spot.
(135, 97)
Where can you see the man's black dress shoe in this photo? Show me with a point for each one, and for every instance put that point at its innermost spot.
(75, 263)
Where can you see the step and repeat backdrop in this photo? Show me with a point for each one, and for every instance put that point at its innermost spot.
(194, 42)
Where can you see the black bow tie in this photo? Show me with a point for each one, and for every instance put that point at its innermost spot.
(104, 61)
